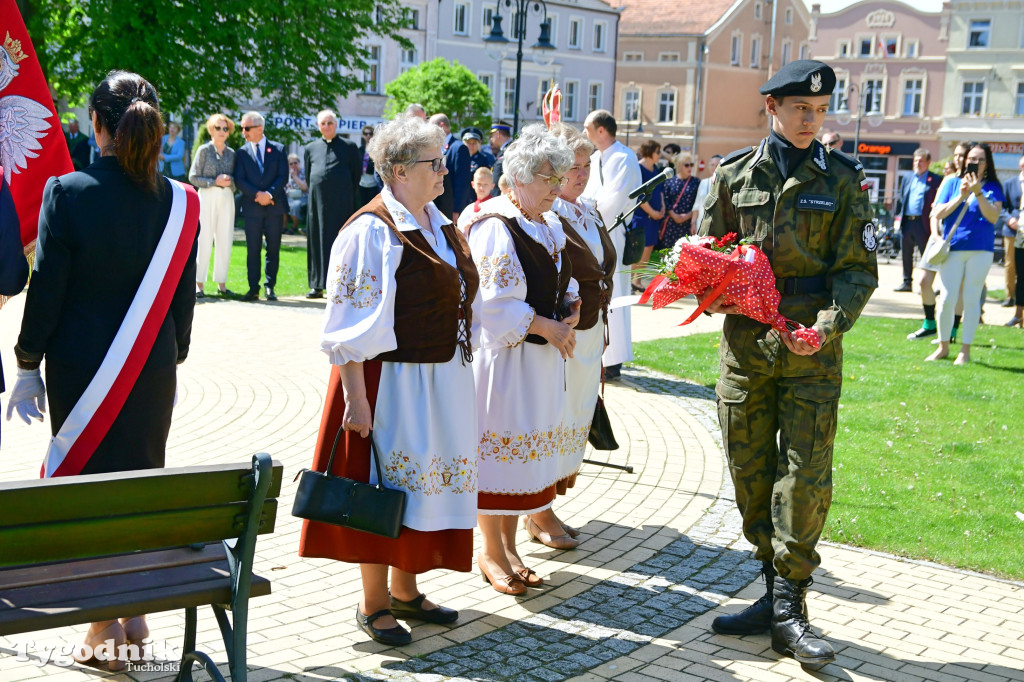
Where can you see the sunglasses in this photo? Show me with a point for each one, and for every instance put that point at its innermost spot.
(222, 129)
(435, 164)
(248, 128)
(687, 165)
(553, 180)
(367, 133)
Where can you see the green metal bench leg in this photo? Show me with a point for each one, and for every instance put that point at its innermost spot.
(188, 645)
(228, 635)
(202, 659)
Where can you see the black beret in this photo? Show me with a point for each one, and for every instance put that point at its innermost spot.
(802, 77)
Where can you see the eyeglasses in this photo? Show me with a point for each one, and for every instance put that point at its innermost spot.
(435, 164)
(687, 165)
(553, 180)
(222, 129)
(248, 128)
(367, 133)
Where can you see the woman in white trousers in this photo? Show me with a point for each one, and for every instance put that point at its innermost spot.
(212, 173)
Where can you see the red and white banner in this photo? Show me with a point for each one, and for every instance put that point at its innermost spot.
(32, 146)
(91, 417)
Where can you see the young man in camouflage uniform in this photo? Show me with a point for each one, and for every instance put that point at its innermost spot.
(807, 208)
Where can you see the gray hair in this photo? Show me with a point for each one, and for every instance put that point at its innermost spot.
(400, 142)
(326, 113)
(254, 116)
(532, 148)
(576, 140)
(415, 109)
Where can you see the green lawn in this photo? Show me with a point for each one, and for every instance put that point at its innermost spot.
(292, 279)
(929, 458)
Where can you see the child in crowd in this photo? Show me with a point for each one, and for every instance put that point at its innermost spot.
(483, 185)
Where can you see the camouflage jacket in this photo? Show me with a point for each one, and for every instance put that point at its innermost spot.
(817, 223)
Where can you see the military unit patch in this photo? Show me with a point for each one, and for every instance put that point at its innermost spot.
(870, 243)
(865, 184)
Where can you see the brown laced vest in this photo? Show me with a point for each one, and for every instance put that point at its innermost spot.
(594, 278)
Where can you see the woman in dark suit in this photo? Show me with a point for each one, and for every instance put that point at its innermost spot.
(99, 229)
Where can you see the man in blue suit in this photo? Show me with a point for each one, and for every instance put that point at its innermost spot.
(916, 197)
(1012, 190)
(261, 172)
(457, 190)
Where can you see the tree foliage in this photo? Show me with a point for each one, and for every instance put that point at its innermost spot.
(442, 87)
(293, 56)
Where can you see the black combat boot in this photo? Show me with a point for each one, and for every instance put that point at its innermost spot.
(791, 632)
(756, 618)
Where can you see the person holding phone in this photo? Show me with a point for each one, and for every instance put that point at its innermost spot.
(971, 204)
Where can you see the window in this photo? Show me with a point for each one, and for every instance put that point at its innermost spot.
(575, 34)
(787, 52)
(509, 96)
(631, 109)
(1018, 104)
(866, 45)
(371, 77)
(600, 35)
(517, 25)
(789, 16)
(572, 96)
(755, 51)
(543, 85)
(973, 93)
(667, 106)
(734, 49)
(891, 45)
(912, 90)
(977, 36)
(488, 80)
(488, 20)
(553, 21)
(804, 51)
(461, 25)
(412, 17)
(912, 48)
(843, 49)
(668, 56)
(378, 14)
(838, 100)
(596, 96)
(632, 56)
(410, 58)
(757, 10)
(873, 90)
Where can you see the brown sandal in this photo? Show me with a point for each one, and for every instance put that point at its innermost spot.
(506, 584)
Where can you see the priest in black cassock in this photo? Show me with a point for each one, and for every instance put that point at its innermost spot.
(333, 166)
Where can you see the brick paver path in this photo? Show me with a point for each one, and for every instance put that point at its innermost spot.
(662, 550)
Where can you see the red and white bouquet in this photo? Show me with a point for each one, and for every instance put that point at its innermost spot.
(723, 267)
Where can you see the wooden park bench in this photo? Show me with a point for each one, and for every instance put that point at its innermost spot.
(83, 549)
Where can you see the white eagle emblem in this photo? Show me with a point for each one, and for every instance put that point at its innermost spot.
(870, 242)
(22, 120)
(815, 82)
(820, 158)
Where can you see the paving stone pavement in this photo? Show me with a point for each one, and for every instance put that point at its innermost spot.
(662, 549)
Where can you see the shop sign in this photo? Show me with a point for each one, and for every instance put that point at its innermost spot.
(1007, 147)
(882, 148)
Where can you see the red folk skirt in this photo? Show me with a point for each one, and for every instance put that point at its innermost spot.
(413, 551)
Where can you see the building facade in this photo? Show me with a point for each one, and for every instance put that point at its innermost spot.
(984, 94)
(584, 33)
(689, 73)
(890, 64)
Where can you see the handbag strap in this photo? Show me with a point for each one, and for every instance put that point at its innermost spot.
(374, 455)
(956, 224)
(682, 192)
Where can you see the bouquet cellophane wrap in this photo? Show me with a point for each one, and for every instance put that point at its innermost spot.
(744, 277)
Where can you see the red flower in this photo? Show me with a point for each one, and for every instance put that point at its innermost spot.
(726, 240)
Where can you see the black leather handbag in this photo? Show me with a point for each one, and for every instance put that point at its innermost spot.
(601, 436)
(351, 504)
(634, 248)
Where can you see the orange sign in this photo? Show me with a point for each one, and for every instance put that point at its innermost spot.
(882, 149)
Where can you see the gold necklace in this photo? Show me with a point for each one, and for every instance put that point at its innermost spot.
(554, 254)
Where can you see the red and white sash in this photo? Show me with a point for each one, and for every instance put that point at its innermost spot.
(93, 414)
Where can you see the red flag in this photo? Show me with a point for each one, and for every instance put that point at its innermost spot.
(32, 146)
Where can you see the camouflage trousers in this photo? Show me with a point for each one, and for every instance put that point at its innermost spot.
(778, 434)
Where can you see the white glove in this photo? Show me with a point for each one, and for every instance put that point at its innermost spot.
(28, 396)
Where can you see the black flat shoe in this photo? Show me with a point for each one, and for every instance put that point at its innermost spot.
(395, 636)
(200, 294)
(414, 609)
(271, 296)
(315, 293)
(251, 295)
(226, 292)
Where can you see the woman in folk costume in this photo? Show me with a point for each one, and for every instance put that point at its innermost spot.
(592, 256)
(401, 292)
(530, 306)
(117, 217)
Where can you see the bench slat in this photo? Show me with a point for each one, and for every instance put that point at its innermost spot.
(66, 498)
(42, 574)
(109, 606)
(73, 539)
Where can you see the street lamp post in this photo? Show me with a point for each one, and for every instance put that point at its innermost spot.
(519, 9)
(843, 114)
